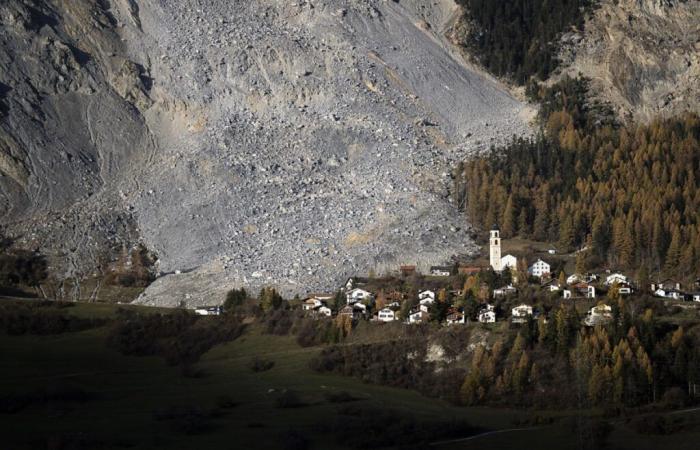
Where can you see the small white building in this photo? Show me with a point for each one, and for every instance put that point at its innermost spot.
(455, 317)
(386, 315)
(539, 269)
(505, 291)
(418, 317)
(510, 262)
(358, 295)
(696, 296)
(441, 271)
(427, 295)
(598, 315)
(574, 278)
(324, 311)
(487, 314)
(615, 278)
(209, 311)
(674, 294)
(311, 303)
(520, 313)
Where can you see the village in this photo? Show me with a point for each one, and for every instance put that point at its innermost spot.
(505, 289)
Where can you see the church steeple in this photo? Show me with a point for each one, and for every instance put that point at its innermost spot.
(495, 248)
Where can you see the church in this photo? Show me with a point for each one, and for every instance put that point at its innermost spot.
(499, 263)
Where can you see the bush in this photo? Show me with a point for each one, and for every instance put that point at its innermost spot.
(289, 399)
(40, 318)
(258, 364)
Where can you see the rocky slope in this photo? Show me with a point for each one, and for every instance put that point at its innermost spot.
(643, 56)
(244, 142)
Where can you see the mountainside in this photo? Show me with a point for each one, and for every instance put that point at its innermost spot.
(243, 142)
(643, 56)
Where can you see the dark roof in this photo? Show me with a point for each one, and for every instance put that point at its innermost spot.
(495, 227)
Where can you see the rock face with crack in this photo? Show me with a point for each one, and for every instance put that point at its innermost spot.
(643, 56)
(248, 143)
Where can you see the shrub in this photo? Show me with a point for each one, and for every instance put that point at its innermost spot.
(258, 364)
(289, 399)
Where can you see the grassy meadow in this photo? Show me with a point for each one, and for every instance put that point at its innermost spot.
(138, 402)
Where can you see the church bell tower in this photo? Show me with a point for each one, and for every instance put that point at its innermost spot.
(495, 247)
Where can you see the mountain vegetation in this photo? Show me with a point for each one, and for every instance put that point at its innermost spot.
(518, 38)
(626, 194)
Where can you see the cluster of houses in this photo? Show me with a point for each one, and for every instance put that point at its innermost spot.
(358, 301)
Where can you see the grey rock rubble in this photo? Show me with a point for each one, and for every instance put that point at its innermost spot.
(295, 143)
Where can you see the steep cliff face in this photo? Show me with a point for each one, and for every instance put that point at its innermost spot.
(71, 130)
(245, 142)
(643, 56)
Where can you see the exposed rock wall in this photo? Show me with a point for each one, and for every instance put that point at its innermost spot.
(642, 55)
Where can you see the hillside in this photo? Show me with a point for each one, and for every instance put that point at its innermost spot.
(249, 143)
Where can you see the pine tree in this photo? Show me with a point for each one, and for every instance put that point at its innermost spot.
(508, 224)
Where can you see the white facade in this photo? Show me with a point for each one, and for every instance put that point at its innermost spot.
(575, 278)
(454, 318)
(418, 317)
(522, 311)
(495, 250)
(208, 311)
(357, 295)
(504, 291)
(615, 278)
(540, 268)
(487, 317)
(386, 315)
(509, 261)
(696, 296)
(426, 294)
(311, 303)
(487, 314)
(598, 315)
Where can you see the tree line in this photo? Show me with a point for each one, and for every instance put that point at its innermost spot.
(628, 195)
(518, 39)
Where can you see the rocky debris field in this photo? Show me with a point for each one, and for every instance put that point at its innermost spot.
(281, 143)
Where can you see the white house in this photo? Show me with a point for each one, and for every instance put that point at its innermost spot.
(539, 269)
(574, 278)
(358, 295)
(505, 291)
(454, 318)
(598, 315)
(325, 311)
(386, 315)
(426, 294)
(509, 261)
(425, 307)
(566, 293)
(418, 317)
(441, 271)
(487, 314)
(696, 296)
(311, 303)
(667, 285)
(624, 289)
(615, 278)
(209, 311)
(520, 313)
(674, 294)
